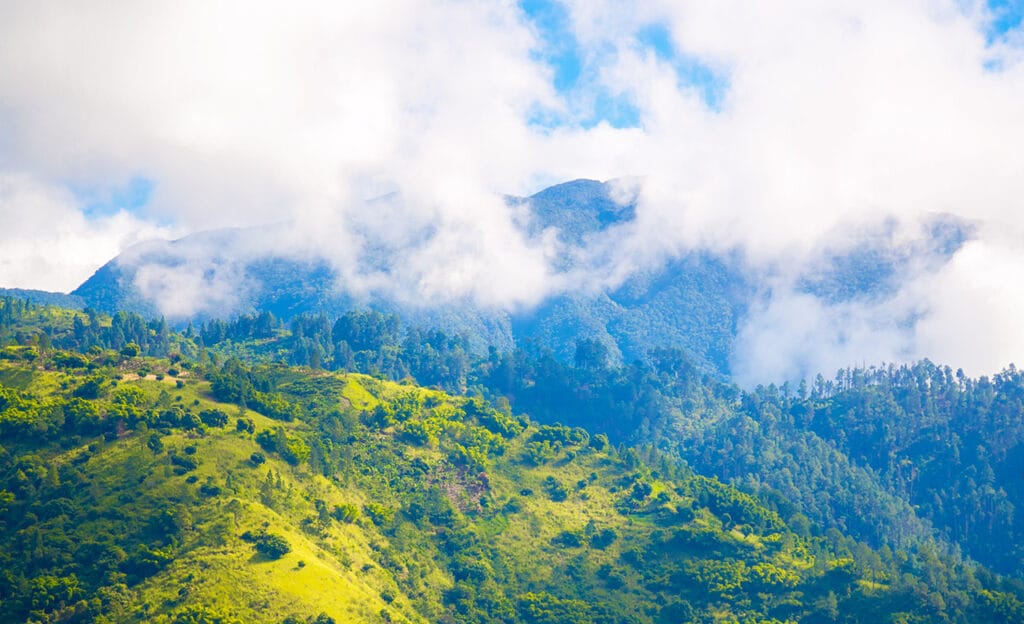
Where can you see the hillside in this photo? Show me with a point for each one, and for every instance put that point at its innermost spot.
(178, 490)
(44, 297)
(892, 456)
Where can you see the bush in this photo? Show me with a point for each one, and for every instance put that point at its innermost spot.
(70, 360)
(272, 546)
(555, 490)
(378, 513)
(603, 539)
(346, 513)
(213, 418)
(130, 350)
(267, 440)
(90, 389)
(184, 463)
(154, 443)
(209, 489)
(567, 539)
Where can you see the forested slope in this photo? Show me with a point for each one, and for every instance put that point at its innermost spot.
(185, 489)
(894, 456)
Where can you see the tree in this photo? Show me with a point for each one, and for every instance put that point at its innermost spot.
(90, 389)
(213, 418)
(272, 546)
(155, 444)
(591, 354)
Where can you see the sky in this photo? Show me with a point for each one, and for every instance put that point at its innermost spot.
(770, 130)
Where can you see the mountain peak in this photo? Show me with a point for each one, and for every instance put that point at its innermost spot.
(577, 209)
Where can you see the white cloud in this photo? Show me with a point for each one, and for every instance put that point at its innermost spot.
(836, 115)
(46, 242)
(973, 306)
(246, 115)
(793, 335)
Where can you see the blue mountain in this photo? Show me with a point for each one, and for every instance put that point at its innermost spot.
(695, 301)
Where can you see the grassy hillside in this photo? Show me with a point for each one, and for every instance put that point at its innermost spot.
(141, 489)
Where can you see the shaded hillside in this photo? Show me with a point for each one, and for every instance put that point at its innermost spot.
(693, 303)
(951, 445)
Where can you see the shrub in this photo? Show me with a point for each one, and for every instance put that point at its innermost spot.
(555, 490)
(567, 539)
(272, 546)
(346, 513)
(604, 538)
(213, 418)
(154, 443)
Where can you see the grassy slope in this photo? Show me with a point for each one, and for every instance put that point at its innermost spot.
(214, 564)
(337, 575)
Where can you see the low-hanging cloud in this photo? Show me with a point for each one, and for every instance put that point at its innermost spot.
(47, 243)
(394, 128)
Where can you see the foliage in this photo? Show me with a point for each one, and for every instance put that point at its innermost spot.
(272, 545)
(400, 502)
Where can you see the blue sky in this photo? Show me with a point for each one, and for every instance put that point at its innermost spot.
(1008, 14)
(576, 71)
(131, 196)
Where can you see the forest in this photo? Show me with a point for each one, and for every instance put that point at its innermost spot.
(225, 472)
(892, 455)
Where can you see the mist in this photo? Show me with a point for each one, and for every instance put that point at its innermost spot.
(388, 135)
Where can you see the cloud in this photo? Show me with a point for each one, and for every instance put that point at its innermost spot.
(244, 116)
(972, 305)
(793, 335)
(837, 117)
(826, 118)
(47, 243)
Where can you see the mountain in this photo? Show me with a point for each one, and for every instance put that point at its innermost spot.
(576, 210)
(62, 300)
(694, 301)
(225, 277)
(174, 489)
(894, 457)
(697, 300)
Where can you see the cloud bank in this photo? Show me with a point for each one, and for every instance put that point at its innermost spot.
(47, 243)
(773, 131)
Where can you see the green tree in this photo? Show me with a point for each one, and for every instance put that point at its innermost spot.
(272, 546)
